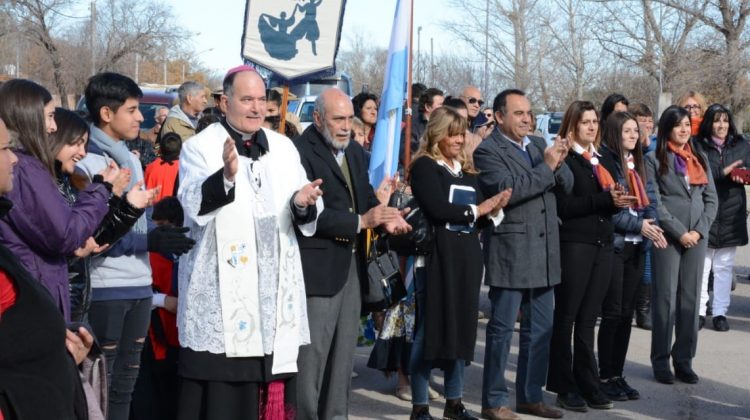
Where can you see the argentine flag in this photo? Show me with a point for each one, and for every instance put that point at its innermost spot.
(385, 145)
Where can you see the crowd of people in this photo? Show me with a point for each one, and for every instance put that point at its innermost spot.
(213, 267)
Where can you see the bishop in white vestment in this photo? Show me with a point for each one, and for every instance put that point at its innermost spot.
(241, 315)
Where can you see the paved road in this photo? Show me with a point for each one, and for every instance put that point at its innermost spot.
(723, 364)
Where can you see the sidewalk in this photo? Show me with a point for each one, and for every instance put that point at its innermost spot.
(723, 364)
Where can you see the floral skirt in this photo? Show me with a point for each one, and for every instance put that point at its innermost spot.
(392, 348)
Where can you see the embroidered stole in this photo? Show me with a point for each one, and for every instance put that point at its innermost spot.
(259, 306)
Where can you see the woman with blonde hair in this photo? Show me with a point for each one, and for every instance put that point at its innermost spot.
(445, 185)
(695, 104)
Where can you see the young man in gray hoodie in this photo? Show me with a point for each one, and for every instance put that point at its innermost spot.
(121, 277)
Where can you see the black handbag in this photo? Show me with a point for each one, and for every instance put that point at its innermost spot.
(419, 240)
(385, 286)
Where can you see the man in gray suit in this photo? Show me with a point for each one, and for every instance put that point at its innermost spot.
(522, 257)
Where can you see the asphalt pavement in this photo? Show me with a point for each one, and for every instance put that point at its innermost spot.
(722, 362)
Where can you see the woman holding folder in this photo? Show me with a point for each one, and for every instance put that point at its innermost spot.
(444, 183)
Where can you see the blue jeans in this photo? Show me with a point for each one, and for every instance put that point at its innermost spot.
(536, 330)
(420, 368)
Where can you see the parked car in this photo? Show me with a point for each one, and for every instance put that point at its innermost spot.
(302, 107)
(316, 86)
(547, 125)
(152, 98)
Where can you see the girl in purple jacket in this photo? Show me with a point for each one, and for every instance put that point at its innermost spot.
(41, 229)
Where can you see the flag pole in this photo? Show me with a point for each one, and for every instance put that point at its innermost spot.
(407, 132)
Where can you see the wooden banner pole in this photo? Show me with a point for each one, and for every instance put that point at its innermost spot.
(282, 109)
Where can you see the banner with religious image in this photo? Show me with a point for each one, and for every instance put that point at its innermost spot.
(294, 39)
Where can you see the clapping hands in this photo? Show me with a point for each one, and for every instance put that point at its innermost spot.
(494, 204)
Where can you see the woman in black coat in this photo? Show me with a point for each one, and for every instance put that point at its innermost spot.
(444, 183)
(586, 237)
(725, 150)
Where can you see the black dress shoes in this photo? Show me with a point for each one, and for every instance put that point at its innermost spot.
(720, 323)
(664, 376)
(686, 374)
(701, 322)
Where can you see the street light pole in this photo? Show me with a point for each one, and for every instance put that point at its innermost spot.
(419, 55)
(18, 54)
(486, 48)
(93, 37)
(432, 62)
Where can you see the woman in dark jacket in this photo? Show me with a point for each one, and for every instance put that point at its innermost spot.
(41, 229)
(725, 150)
(633, 227)
(586, 236)
(366, 109)
(38, 356)
(447, 281)
(68, 145)
(686, 206)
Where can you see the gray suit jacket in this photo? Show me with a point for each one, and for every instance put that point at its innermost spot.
(678, 208)
(523, 252)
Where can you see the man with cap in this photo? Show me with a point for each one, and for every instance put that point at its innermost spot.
(216, 93)
(241, 314)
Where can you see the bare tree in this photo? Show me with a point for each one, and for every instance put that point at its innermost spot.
(122, 29)
(453, 72)
(510, 44)
(364, 63)
(37, 19)
(729, 20)
(567, 53)
(144, 27)
(653, 38)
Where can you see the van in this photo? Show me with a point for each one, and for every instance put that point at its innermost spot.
(548, 125)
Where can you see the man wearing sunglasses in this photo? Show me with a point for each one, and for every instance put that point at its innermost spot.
(474, 102)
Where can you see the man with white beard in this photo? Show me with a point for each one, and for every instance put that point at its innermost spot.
(334, 260)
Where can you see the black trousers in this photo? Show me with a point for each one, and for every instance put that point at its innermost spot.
(586, 270)
(617, 311)
(157, 387)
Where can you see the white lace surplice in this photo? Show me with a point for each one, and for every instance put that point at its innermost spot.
(284, 322)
